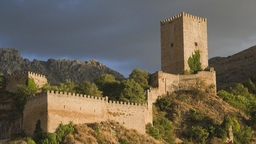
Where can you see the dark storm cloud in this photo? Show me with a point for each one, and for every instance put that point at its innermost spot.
(122, 34)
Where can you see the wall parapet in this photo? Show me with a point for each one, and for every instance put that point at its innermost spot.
(126, 103)
(17, 74)
(183, 14)
(36, 96)
(35, 74)
(77, 95)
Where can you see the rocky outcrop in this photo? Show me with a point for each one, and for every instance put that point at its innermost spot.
(55, 70)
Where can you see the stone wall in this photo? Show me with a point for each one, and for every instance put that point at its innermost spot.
(130, 115)
(16, 79)
(163, 83)
(35, 109)
(21, 78)
(66, 107)
(39, 79)
(53, 108)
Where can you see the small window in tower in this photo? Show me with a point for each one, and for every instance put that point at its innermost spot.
(171, 44)
(195, 43)
(173, 29)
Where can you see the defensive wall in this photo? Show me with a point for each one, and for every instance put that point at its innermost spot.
(164, 83)
(35, 109)
(21, 78)
(53, 108)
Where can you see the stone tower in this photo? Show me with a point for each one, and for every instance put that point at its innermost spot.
(181, 35)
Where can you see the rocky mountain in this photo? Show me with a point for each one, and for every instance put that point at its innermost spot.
(236, 68)
(55, 70)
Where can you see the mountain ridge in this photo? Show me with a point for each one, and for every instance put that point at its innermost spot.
(55, 70)
(237, 68)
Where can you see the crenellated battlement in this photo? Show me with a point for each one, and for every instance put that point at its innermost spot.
(76, 95)
(17, 74)
(183, 14)
(127, 103)
(20, 78)
(35, 74)
(35, 97)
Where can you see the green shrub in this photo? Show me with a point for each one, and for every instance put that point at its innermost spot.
(196, 116)
(221, 133)
(163, 103)
(198, 134)
(243, 136)
(194, 62)
(162, 129)
(64, 130)
(29, 140)
(154, 132)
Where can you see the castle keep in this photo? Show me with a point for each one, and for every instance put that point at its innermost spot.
(181, 36)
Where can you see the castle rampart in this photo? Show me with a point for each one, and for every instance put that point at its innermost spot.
(53, 108)
(164, 83)
(181, 36)
(35, 109)
(21, 78)
(39, 79)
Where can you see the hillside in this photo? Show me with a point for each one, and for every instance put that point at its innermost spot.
(55, 70)
(236, 68)
(200, 117)
(184, 110)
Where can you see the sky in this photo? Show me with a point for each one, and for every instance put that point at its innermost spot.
(123, 35)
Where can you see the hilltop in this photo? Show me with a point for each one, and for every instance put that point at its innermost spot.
(236, 68)
(55, 70)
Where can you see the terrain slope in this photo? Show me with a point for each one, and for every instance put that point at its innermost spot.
(236, 68)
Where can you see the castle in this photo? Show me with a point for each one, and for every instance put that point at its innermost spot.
(181, 35)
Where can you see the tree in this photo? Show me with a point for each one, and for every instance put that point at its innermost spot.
(38, 132)
(251, 86)
(141, 77)
(88, 89)
(23, 91)
(240, 90)
(109, 86)
(132, 91)
(199, 134)
(68, 86)
(194, 62)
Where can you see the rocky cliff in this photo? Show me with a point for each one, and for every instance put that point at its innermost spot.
(55, 70)
(236, 68)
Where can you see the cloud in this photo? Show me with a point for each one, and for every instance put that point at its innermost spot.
(123, 34)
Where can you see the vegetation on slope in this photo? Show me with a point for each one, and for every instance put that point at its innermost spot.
(103, 133)
(193, 116)
(197, 116)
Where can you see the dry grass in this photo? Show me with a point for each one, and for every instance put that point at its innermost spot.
(109, 133)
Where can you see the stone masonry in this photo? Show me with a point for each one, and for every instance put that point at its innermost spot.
(53, 108)
(181, 35)
(21, 78)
